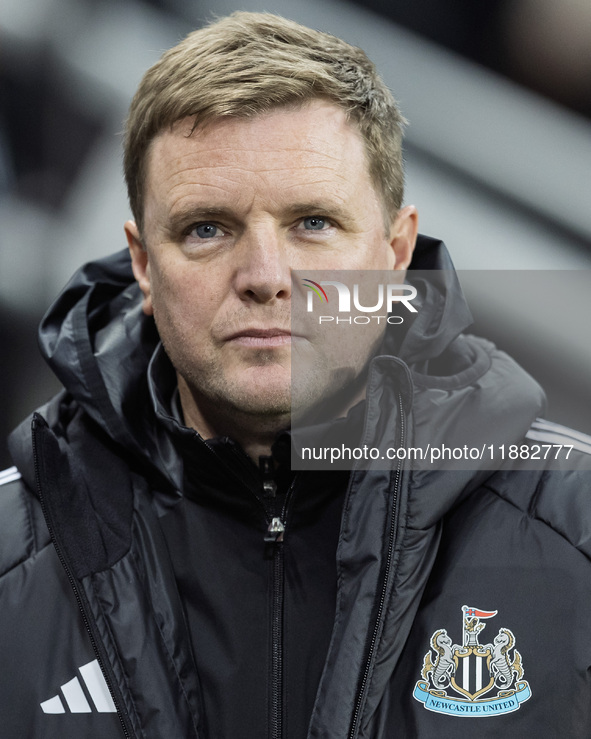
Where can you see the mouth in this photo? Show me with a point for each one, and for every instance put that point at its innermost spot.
(261, 338)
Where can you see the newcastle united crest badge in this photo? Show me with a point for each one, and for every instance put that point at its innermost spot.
(472, 679)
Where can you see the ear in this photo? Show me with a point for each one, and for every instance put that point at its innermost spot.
(403, 236)
(140, 264)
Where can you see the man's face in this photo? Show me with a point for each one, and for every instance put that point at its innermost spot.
(230, 210)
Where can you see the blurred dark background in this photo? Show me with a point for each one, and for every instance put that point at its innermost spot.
(498, 95)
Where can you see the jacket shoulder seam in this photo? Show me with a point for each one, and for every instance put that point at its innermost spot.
(12, 483)
(530, 514)
(24, 560)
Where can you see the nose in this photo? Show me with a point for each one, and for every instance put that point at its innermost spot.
(262, 270)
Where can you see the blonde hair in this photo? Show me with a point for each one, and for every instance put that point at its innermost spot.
(250, 63)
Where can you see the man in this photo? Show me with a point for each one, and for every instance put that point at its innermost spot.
(166, 574)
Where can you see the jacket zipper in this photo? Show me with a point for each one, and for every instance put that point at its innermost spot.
(80, 599)
(276, 718)
(274, 536)
(382, 602)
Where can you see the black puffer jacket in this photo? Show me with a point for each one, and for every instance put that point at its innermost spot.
(94, 640)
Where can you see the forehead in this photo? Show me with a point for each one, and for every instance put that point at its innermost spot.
(285, 151)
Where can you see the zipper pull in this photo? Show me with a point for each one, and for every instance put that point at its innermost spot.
(266, 467)
(275, 530)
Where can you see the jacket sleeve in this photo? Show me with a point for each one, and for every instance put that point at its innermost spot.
(43, 640)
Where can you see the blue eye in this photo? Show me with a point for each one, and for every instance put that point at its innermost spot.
(206, 230)
(314, 223)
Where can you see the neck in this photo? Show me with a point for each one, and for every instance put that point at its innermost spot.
(255, 434)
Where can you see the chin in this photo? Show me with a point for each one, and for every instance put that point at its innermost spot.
(268, 404)
(262, 396)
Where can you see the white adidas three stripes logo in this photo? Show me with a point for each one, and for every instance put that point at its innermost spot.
(75, 696)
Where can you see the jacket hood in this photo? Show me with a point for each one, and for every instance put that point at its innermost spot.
(442, 310)
(98, 342)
